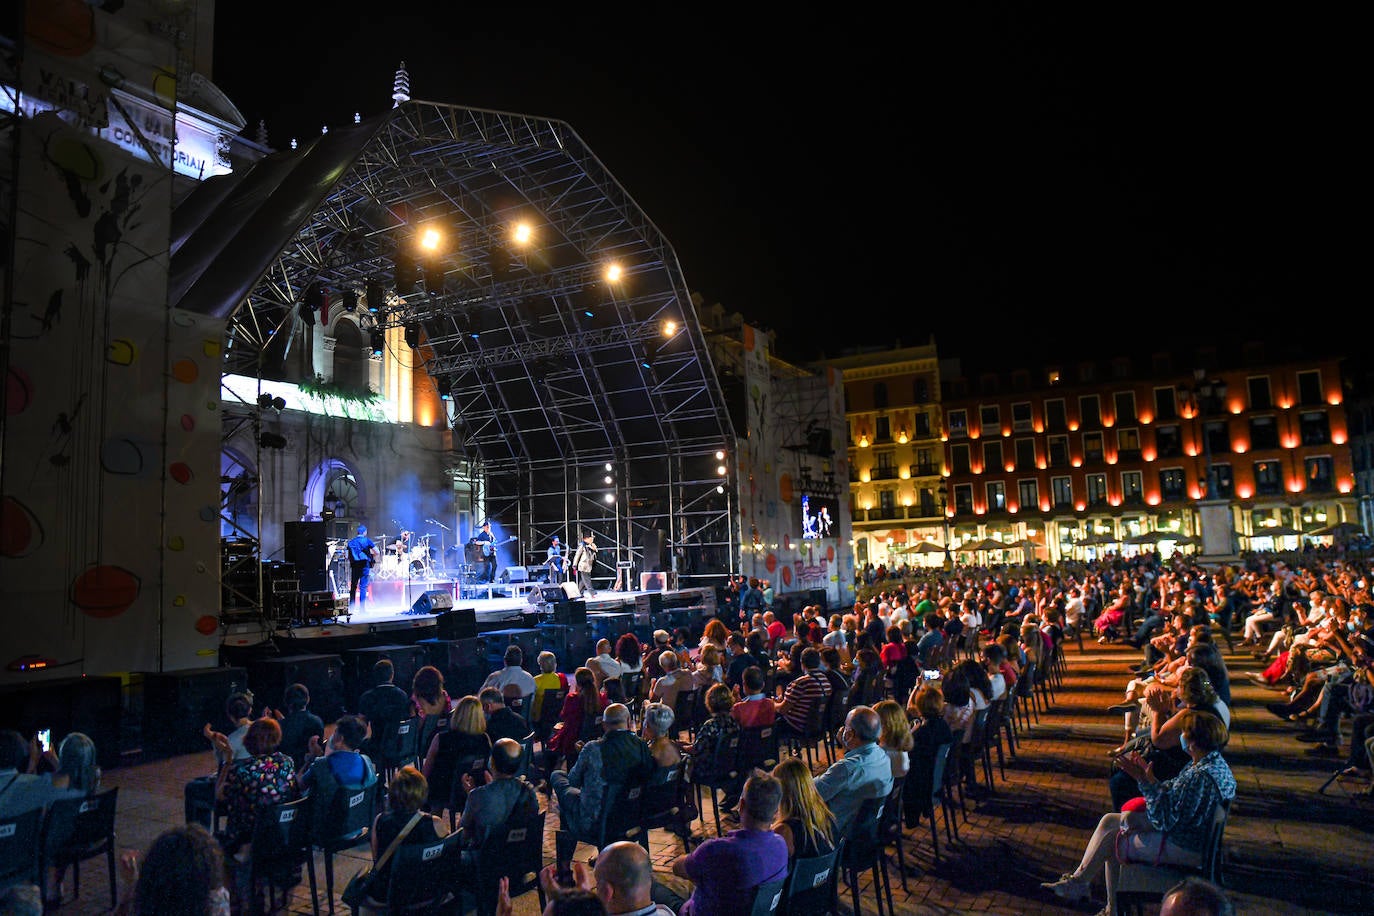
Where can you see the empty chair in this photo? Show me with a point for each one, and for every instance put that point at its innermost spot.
(863, 850)
(77, 829)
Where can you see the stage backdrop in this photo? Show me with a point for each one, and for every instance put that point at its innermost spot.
(109, 510)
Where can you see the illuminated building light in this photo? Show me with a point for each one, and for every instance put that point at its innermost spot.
(1285, 404)
(1041, 464)
(1073, 426)
(1006, 433)
(1295, 486)
(1011, 508)
(1111, 459)
(1044, 506)
(906, 473)
(1190, 451)
(1148, 454)
(865, 476)
(1334, 400)
(949, 513)
(1146, 418)
(1152, 499)
(1240, 448)
(1108, 422)
(976, 468)
(1038, 428)
(1077, 462)
(944, 437)
(974, 434)
(1344, 486)
(1290, 442)
(1195, 492)
(1237, 407)
(1010, 468)
(1114, 501)
(1079, 507)
(979, 510)
(1244, 492)
(1338, 438)
(944, 472)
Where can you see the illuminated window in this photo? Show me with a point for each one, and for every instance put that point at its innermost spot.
(1062, 488)
(1132, 487)
(1092, 447)
(1268, 478)
(1319, 473)
(997, 497)
(958, 423)
(1097, 489)
(1128, 442)
(1029, 492)
(1172, 483)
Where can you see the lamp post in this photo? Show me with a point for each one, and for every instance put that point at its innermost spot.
(944, 524)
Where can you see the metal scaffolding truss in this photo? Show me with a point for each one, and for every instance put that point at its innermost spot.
(551, 364)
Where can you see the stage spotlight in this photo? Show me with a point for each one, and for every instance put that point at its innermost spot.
(264, 401)
(429, 239)
(613, 273)
(279, 404)
(413, 336)
(272, 440)
(403, 271)
(669, 328)
(610, 497)
(376, 296)
(445, 386)
(434, 279)
(378, 343)
(522, 233)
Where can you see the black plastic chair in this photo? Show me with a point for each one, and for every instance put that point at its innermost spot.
(399, 746)
(663, 805)
(834, 718)
(421, 878)
(466, 765)
(863, 850)
(77, 829)
(813, 885)
(281, 845)
(991, 737)
(890, 828)
(758, 747)
(343, 821)
(550, 711)
(632, 684)
(768, 898)
(514, 851)
(812, 738)
(684, 713)
(620, 816)
(1027, 703)
(719, 771)
(20, 847)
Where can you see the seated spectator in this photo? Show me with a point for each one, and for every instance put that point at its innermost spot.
(199, 794)
(504, 795)
(1180, 808)
(619, 757)
(342, 756)
(502, 721)
(755, 708)
(895, 739)
(663, 641)
(710, 735)
(25, 789)
(803, 821)
(405, 795)
(511, 672)
(802, 696)
(299, 725)
(830, 667)
(726, 870)
(262, 779)
(621, 883)
(867, 688)
(657, 732)
(926, 707)
(715, 634)
(577, 724)
(427, 694)
(603, 664)
(548, 678)
(182, 874)
(384, 704)
(862, 773)
(454, 752)
(629, 653)
(674, 680)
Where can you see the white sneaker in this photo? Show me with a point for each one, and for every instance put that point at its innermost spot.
(1069, 887)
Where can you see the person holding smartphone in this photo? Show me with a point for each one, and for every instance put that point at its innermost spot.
(22, 789)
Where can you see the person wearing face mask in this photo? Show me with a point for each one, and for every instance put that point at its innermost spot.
(1171, 824)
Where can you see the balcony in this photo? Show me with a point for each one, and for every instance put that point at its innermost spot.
(885, 514)
(925, 469)
(884, 473)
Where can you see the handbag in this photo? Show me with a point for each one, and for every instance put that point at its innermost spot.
(359, 888)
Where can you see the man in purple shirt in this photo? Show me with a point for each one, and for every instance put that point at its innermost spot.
(726, 870)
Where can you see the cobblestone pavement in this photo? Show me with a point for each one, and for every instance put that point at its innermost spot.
(1288, 849)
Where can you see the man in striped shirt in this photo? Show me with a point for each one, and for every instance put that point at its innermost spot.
(803, 695)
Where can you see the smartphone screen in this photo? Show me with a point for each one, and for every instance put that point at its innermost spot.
(45, 740)
(931, 674)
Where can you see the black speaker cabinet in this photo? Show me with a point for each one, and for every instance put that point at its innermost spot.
(652, 543)
(463, 663)
(459, 623)
(358, 667)
(572, 613)
(308, 548)
(611, 625)
(571, 643)
(527, 638)
(322, 675)
(432, 602)
(177, 704)
(90, 705)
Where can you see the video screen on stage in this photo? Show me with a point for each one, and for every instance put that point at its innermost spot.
(818, 517)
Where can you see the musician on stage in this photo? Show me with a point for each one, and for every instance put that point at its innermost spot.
(485, 538)
(557, 563)
(361, 553)
(584, 560)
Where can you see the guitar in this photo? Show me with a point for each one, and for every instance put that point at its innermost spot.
(489, 547)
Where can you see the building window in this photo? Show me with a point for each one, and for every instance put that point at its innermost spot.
(1021, 417)
(1062, 488)
(882, 429)
(927, 502)
(887, 502)
(958, 423)
(1168, 442)
(1217, 440)
(1029, 493)
(1171, 483)
(1320, 478)
(1097, 489)
(886, 469)
(1310, 387)
(1059, 451)
(1125, 407)
(1224, 480)
(1268, 481)
(1264, 433)
(958, 459)
(1056, 419)
(1089, 411)
(1128, 442)
(920, 391)
(1166, 405)
(1025, 454)
(990, 419)
(992, 456)
(922, 425)
(925, 464)
(1092, 447)
(1132, 487)
(963, 499)
(1316, 428)
(1257, 386)
(880, 395)
(997, 497)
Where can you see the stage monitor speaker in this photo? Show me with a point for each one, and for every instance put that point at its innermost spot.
(571, 590)
(553, 594)
(651, 541)
(177, 704)
(572, 613)
(459, 623)
(653, 581)
(322, 675)
(514, 574)
(433, 601)
(308, 548)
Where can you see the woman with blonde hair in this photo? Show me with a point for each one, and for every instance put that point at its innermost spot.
(804, 820)
(455, 752)
(896, 736)
(710, 664)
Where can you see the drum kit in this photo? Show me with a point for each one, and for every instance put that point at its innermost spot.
(408, 556)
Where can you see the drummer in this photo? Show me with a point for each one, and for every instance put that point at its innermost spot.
(401, 546)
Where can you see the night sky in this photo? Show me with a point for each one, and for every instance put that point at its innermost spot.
(1028, 185)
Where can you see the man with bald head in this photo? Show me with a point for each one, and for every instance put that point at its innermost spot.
(863, 773)
(505, 795)
(619, 757)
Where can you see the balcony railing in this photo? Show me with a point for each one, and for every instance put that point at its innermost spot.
(926, 469)
(883, 474)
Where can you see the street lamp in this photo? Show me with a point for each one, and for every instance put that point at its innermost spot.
(944, 523)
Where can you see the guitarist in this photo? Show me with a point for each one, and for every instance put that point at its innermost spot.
(487, 541)
(361, 554)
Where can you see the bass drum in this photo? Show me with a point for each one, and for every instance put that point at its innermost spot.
(389, 567)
